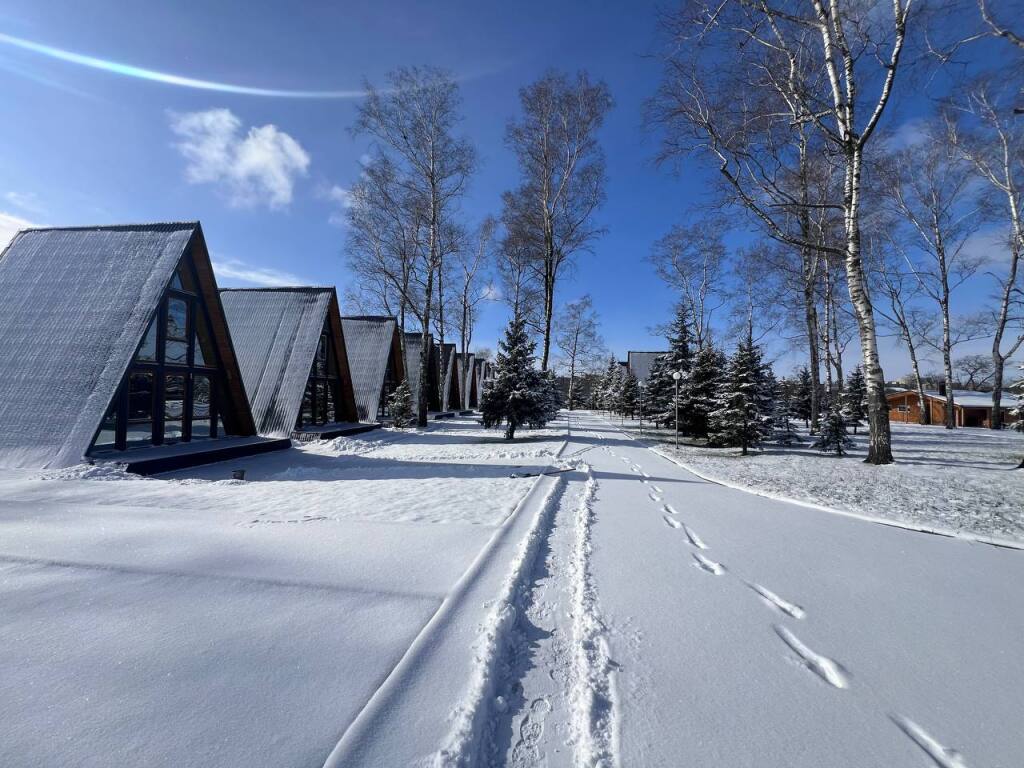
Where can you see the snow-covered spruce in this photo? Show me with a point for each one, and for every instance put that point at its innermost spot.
(400, 405)
(519, 394)
(833, 437)
(743, 417)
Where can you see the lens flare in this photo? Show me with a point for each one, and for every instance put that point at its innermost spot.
(128, 70)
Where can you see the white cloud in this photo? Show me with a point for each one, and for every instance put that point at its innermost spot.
(342, 198)
(990, 246)
(257, 168)
(9, 227)
(231, 271)
(26, 201)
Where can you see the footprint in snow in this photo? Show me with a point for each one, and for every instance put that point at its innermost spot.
(693, 538)
(656, 489)
(670, 509)
(656, 498)
(671, 522)
(774, 601)
(944, 757)
(709, 566)
(829, 670)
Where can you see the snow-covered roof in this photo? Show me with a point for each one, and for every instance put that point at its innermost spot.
(640, 363)
(971, 399)
(368, 342)
(276, 332)
(74, 304)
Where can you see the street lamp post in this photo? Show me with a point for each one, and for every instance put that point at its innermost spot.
(676, 377)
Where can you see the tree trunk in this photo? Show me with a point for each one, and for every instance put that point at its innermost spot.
(880, 438)
(549, 310)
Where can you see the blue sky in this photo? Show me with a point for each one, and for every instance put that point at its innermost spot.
(84, 146)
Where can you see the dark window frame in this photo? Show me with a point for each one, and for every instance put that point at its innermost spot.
(331, 379)
(160, 368)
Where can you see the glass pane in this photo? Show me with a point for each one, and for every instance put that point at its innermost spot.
(176, 281)
(140, 396)
(176, 352)
(140, 432)
(147, 350)
(203, 341)
(306, 416)
(222, 430)
(174, 407)
(107, 435)
(177, 319)
(329, 413)
(321, 402)
(200, 407)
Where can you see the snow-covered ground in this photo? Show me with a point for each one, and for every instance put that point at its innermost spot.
(959, 481)
(403, 600)
(194, 620)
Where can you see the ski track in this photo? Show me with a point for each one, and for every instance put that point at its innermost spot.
(943, 757)
(510, 717)
(476, 715)
(827, 669)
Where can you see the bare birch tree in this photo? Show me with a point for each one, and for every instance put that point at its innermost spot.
(413, 122)
(473, 284)
(847, 55)
(562, 174)
(578, 338)
(928, 188)
(986, 133)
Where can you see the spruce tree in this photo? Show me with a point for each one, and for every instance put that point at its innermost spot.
(785, 410)
(854, 398)
(608, 385)
(628, 395)
(550, 399)
(743, 416)
(659, 396)
(699, 389)
(833, 437)
(400, 405)
(661, 386)
(517, 393)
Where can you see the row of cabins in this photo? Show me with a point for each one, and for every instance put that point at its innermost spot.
(116, 344)
(970, 409)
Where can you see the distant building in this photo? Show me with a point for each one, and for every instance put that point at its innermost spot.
(466, 365)
(291, 349)
(639, 363)
(114, 338)
(971, 409)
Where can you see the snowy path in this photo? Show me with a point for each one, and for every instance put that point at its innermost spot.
(749, 632)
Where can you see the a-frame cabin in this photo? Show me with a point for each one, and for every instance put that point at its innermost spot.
(413, 347)
(113, 341)
(450, 389)
(375, 360)
(467, 379)
(292, 353)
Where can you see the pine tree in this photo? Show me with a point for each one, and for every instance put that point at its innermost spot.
(833, 437)
(628, 395)
(661, 387)
(608, 385)
(400, 405)
(743, 416)
(854, 398)
(659, 395)
(550, 399)
(699, 389)
(802, 402)
(518, 393)
(785, 410)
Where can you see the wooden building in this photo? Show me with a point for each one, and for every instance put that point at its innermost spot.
(467, 376)
(971, 409)
(114, 338)
(413, 348)
(291, 350)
